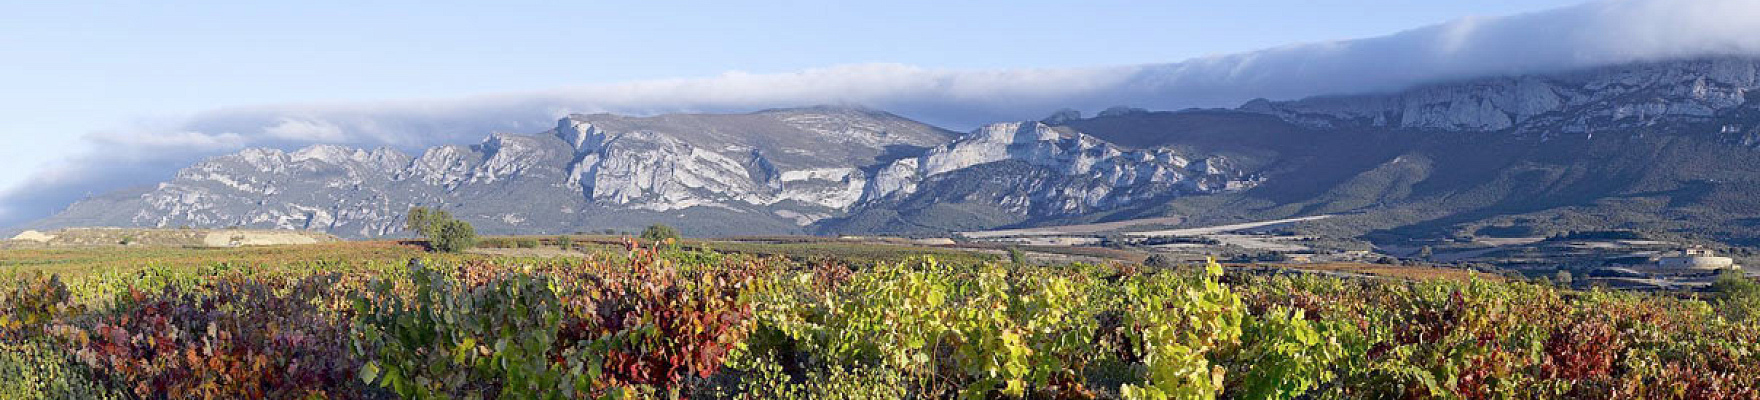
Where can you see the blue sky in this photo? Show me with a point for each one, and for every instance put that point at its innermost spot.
(79, 76)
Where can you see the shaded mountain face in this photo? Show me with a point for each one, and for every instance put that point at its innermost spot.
(775, 171)
(1581, 102)
(1671, 148)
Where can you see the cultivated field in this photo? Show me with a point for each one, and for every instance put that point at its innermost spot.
(603, 317)
(1075, 229)
(83, 261)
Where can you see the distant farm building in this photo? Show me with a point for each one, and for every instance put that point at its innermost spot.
(1696, 258)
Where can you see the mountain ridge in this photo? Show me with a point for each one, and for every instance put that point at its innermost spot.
(1581, 101)
(1433, 160)
(1683, 167)
(771, 171)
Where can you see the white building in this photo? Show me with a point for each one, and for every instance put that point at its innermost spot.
(1696, 258)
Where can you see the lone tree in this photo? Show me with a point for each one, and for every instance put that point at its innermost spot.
(444, 233)
(659, 233)
(422, 220)
(454, 236)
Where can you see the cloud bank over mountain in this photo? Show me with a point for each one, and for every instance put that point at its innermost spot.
(1593, 34)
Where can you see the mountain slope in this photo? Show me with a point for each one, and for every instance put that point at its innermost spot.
(772, 171)
(1663, 147)
(1668, 147)
(1581, 102)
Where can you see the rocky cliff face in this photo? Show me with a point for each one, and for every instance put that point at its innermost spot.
(1015, 173)
(1600, 99)
(321, 187)
(774, 171)
(345, 191)
(804, 163)
(1063, 152)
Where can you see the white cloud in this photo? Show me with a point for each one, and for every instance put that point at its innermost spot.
(305, 130)
(1601, 33)
(180, 141)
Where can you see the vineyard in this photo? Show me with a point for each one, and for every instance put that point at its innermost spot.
(665, 322)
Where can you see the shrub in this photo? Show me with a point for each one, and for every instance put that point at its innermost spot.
(454, 236)
(528, 243)
(666, 327)
(565, 242)
(450, 339)
(39, 369)
(1738, 297)
(35, 302)
(659, 233)
(237, 337)
(989, 331)
(32, 366)
(1178, 327)
(487, 332)
(1283, 355)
